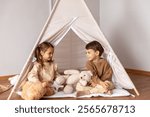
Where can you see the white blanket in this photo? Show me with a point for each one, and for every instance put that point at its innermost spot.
(116, 93)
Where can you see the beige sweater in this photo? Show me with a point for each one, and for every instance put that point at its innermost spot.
(46, 73)
(101, 70)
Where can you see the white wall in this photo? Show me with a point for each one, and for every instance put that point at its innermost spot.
(94, 6)
(126, 25)
(20, 24)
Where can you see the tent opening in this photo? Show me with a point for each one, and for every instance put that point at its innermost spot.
(70, 52)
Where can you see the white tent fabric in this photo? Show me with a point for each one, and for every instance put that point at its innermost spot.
(74, 16)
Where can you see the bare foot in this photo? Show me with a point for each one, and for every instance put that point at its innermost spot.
(82, 93)
(109, 92)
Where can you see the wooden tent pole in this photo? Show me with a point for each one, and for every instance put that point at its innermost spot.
(136, 91)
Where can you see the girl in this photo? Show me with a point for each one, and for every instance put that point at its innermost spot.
(44, 68)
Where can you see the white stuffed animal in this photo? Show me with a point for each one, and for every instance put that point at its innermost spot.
(85, 77)
(59, 82)
(13, 80)
(71, 81)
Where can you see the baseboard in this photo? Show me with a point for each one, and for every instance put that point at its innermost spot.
(5, 77)
(138, 72)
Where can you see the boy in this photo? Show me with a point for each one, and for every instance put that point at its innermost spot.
(100, 68)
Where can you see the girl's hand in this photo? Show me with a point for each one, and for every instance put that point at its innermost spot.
(35, 80)
(48, 83)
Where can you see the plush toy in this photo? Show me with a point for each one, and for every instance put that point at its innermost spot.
(49, 89)
(33, 90)
(70, 72)
(71, 81)
(13, 79)
(82, 88)
(36, 90)
(59, 82)
(85, 77)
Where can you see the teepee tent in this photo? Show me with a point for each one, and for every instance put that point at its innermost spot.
(74, 17)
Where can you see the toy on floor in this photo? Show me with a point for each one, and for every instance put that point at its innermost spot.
(71, 81)
(36, 90)
(67, 81)
(85, 77)
(59, 82)
(13, 80)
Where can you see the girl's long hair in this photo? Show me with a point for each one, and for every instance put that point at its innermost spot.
(42, 48)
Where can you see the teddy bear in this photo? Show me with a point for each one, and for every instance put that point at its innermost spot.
(85, 77)
(36, 90)
(59, 82)
(67, 81)
(13, 79)
(83, 89)
(71, 81)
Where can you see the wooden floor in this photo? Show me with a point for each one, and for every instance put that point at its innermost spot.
(142, 84)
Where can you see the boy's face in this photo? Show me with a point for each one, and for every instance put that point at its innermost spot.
(91, 54)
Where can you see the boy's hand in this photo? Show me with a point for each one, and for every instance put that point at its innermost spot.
(105, 85)
(93, 84)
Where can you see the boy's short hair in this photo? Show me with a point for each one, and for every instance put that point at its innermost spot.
(96, 46)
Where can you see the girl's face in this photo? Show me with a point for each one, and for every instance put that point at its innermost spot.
(48, 54)
(91, 54)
